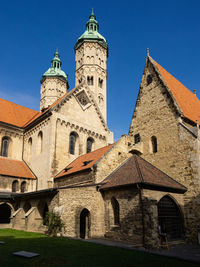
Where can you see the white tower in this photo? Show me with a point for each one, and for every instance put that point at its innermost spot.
(54, 83)
(91, 51)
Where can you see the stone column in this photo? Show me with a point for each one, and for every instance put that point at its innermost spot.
(151, 238)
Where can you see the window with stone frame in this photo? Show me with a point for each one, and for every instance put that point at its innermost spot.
(137, 138)
(4, 146)
(90, 142)
(15, 186)
(154, 144)
(100, 83)
(82, 98)
(149, 79)
(90, 80)
(23, 187)
(115, 206)
(72, 142)
(40, 142)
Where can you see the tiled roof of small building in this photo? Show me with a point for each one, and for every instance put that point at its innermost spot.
(136, 170)
(186, 100)
(15, 114)
(15, 168)
(84, 162)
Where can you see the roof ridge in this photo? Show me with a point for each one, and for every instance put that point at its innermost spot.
(185, 101)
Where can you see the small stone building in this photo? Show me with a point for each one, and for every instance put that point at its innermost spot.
(63, 157)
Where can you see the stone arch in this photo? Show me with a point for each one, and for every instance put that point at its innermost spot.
(116, 211)
(170, 218)
(5, 213)
(136, 152)
(85, 222)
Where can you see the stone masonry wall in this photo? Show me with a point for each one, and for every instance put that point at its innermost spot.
(72, 201)
(155, 115)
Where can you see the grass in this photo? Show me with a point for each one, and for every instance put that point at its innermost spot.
(66, 252)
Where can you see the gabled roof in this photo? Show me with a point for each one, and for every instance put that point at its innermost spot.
(15, 114)
(187, 101)
(136, 170)
(15, 168)
(84, 162)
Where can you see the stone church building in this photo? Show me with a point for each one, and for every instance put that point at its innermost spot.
(63, 157)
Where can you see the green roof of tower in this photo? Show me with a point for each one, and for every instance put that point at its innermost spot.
(55, 69)
(91, 33)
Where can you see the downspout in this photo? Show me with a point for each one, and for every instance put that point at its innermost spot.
(27, 164)
(142, 209)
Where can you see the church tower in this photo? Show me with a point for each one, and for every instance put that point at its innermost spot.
(54, 83)
(91, 51)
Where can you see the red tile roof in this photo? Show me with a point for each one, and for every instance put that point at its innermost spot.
(186, 100)
(84, 162)
(16, 168)
(136, 170)
(15, 114)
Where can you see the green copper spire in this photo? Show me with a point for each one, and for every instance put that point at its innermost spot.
(55, 69)
(91, 33)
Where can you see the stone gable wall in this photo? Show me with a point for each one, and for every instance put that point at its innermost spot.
(177, 153)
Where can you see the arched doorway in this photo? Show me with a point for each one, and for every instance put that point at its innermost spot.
(84, 223)
(170, 218)
(5, 213)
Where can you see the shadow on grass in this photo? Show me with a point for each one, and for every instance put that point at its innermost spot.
(66, 252)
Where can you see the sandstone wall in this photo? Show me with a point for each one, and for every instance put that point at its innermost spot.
(177, 153)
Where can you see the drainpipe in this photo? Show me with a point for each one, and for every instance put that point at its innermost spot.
(27, 164)
(142, 209)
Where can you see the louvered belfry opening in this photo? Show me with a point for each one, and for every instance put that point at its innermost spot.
(170, 218)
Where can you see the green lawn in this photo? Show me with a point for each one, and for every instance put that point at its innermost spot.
(65, 252)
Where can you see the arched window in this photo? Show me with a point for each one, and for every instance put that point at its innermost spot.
(100, 83)
(115, 206)
(90, 142)
(72, 142)
(154, 144)
(170, 218)
(90, 80)
(4, 146)
(40, 139)
(29, 148)
(23, 187)
(15, 186)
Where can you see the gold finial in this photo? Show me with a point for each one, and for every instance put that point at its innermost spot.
(147, 51)
(195, 91)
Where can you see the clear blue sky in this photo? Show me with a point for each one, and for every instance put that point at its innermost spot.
(31, 31)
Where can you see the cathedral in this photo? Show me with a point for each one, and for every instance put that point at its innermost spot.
(63, 157)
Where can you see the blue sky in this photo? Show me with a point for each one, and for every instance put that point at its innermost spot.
(31, 31)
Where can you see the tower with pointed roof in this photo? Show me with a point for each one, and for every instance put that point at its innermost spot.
(91, 51)
(54, 83)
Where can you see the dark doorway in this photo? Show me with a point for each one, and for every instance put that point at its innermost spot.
(170, 218)
(84, 223)
(5, 213)
(45, 210)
